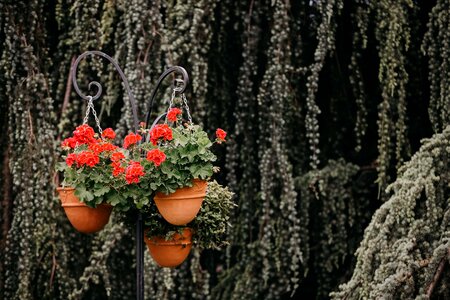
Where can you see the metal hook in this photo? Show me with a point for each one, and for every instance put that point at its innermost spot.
(178, 84)
(99, 86)
(182, 82)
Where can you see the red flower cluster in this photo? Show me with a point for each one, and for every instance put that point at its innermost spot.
(84, 134)
(133, 172)
(100, 147)
(116, 156)
(87, 158)
(84, 158)
(109, 134)
(108, 147)
(71, 159)
(160, 131)
(117, 168)
(173, 114)
(69, 143)
(131, 139)
(221, 134)
(156, 156)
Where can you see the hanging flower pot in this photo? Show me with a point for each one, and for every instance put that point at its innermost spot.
(170, 253)
(85, 219)
(181, 207)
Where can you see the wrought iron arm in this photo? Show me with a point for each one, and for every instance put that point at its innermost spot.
(99, 86)
(180, 89)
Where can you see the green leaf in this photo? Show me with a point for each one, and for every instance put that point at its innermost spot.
(202, 172)
(182, 140)
(83, 194)
(101, 190)
(115, 199)
(141, 202)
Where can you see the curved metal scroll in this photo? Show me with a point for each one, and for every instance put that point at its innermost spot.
(181, 89)
(99, 86)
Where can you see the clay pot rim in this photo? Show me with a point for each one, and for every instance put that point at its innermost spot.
(186, 241)
(61, 188)
(82, 204)
(168, 243)
(163, 196)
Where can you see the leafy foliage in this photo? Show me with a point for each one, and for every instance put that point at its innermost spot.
(188, 156)
(209, 226)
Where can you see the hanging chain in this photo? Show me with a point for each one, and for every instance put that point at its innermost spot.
(186, 107)
(90, 106)
(170, 103)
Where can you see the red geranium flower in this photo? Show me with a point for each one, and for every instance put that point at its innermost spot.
(156, 156)
(131, 139)
(87, 158)
(221, 134)
(108, 147)
(108, 133)
(172, 115)
(84, 134)
(117, 168)
(133, 172)
(71, 158)
(101, 147)
(69, 143)
(116, 156)
(160, 131)
(96, 148)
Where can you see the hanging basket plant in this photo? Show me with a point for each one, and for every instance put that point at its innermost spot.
(180, 181)
(169, 245)
(88, 189)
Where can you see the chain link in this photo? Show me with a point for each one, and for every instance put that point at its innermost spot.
(90, 106)
(170, 103)
(186, 107)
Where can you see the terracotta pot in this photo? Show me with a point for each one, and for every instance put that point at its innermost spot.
(170, 253)
(181, 207)
(84, 218)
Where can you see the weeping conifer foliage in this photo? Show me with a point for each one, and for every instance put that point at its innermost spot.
(324, 102)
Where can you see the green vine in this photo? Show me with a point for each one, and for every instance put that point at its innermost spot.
(434, 46)
(325, 45)
(393, 35)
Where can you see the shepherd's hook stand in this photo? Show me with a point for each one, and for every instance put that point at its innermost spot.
(180, 89)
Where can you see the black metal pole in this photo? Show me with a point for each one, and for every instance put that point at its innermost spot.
(139, 258)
